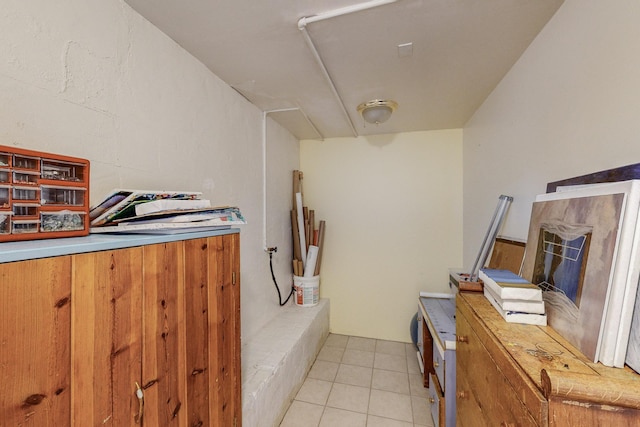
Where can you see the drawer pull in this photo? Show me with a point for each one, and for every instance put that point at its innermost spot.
(461, 395)
(432, 400)
(462, 338)
(436, 364)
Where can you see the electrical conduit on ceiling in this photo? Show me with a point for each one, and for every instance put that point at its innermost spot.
(302, 26)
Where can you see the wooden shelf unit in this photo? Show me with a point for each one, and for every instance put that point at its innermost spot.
(42, 195)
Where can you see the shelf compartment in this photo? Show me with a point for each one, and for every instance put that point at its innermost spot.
(69, 196)
(62, 221)
(25, 226)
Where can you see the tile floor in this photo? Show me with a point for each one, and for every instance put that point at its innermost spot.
(361, 382)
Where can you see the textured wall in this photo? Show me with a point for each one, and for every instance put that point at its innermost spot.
(393, 207)
(568, 107)
(93, 79)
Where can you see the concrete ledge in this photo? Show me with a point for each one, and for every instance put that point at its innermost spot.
(277, 359)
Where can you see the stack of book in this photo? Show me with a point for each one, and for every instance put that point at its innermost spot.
(149, 211)
(515, 298)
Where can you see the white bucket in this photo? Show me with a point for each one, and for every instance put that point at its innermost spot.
(307, 290)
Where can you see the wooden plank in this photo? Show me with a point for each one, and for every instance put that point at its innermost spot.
(321, 228)
(592, 389)
(297, 252)
(507, 254)
(564, 412)
(164, 359)
(312, 227)
(427, 349)
(107, 332)
(35, 318)
(224, 321)
(197, 331)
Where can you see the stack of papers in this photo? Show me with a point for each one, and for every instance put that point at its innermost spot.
(142, 211)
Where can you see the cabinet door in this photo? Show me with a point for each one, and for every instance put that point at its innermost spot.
(107, 337)
(224, 333)
(35, 362)
(164, 353)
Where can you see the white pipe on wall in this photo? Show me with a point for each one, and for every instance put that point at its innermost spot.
(264, 164)
(302, 22)
(302, 26)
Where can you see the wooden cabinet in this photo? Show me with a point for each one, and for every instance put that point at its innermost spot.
(163, 316)
(523, 375)
(437, 313)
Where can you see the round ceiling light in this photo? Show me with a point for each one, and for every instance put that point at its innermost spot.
(377, 111)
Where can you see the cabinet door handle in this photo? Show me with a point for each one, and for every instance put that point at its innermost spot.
(462, 338)
(432, 400)
(140, 396)
(461, 394)
(436, 364)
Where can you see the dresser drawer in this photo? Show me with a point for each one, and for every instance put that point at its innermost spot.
(485, 396)
(436, 402)
(439, 364)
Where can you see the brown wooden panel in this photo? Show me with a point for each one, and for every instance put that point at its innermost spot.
(224, 320)
(107, 331)
(197, 331)
(565, 412)
(507, 254)
(487, 386)
(427, 350)
(35, 325)
(164, 359)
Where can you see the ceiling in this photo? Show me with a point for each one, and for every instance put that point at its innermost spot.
(438, 59)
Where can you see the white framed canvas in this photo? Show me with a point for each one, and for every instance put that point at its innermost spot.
(571, 250)
(621, 301)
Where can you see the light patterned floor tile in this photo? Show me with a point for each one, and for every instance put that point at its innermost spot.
(391, 347)
(302, 414)
(323, 370)
(363, 344)
(390, 362)
(358, 358)
(390, 405)
(331, 354)
(354, 375)
(349, 397)
(421, 412)
(397, 382)
(416, 385)
(335, 340)
(314, 391)
(362, 382)
(373, 421)
(333, 417)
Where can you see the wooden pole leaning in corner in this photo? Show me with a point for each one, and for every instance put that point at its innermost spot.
(321, 227)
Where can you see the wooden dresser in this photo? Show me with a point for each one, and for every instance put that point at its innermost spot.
(523, 375)
(438, 355)
(121, 331)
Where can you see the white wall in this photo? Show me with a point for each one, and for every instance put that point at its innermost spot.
(92, 79)
(393, 211)
(570, 106)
